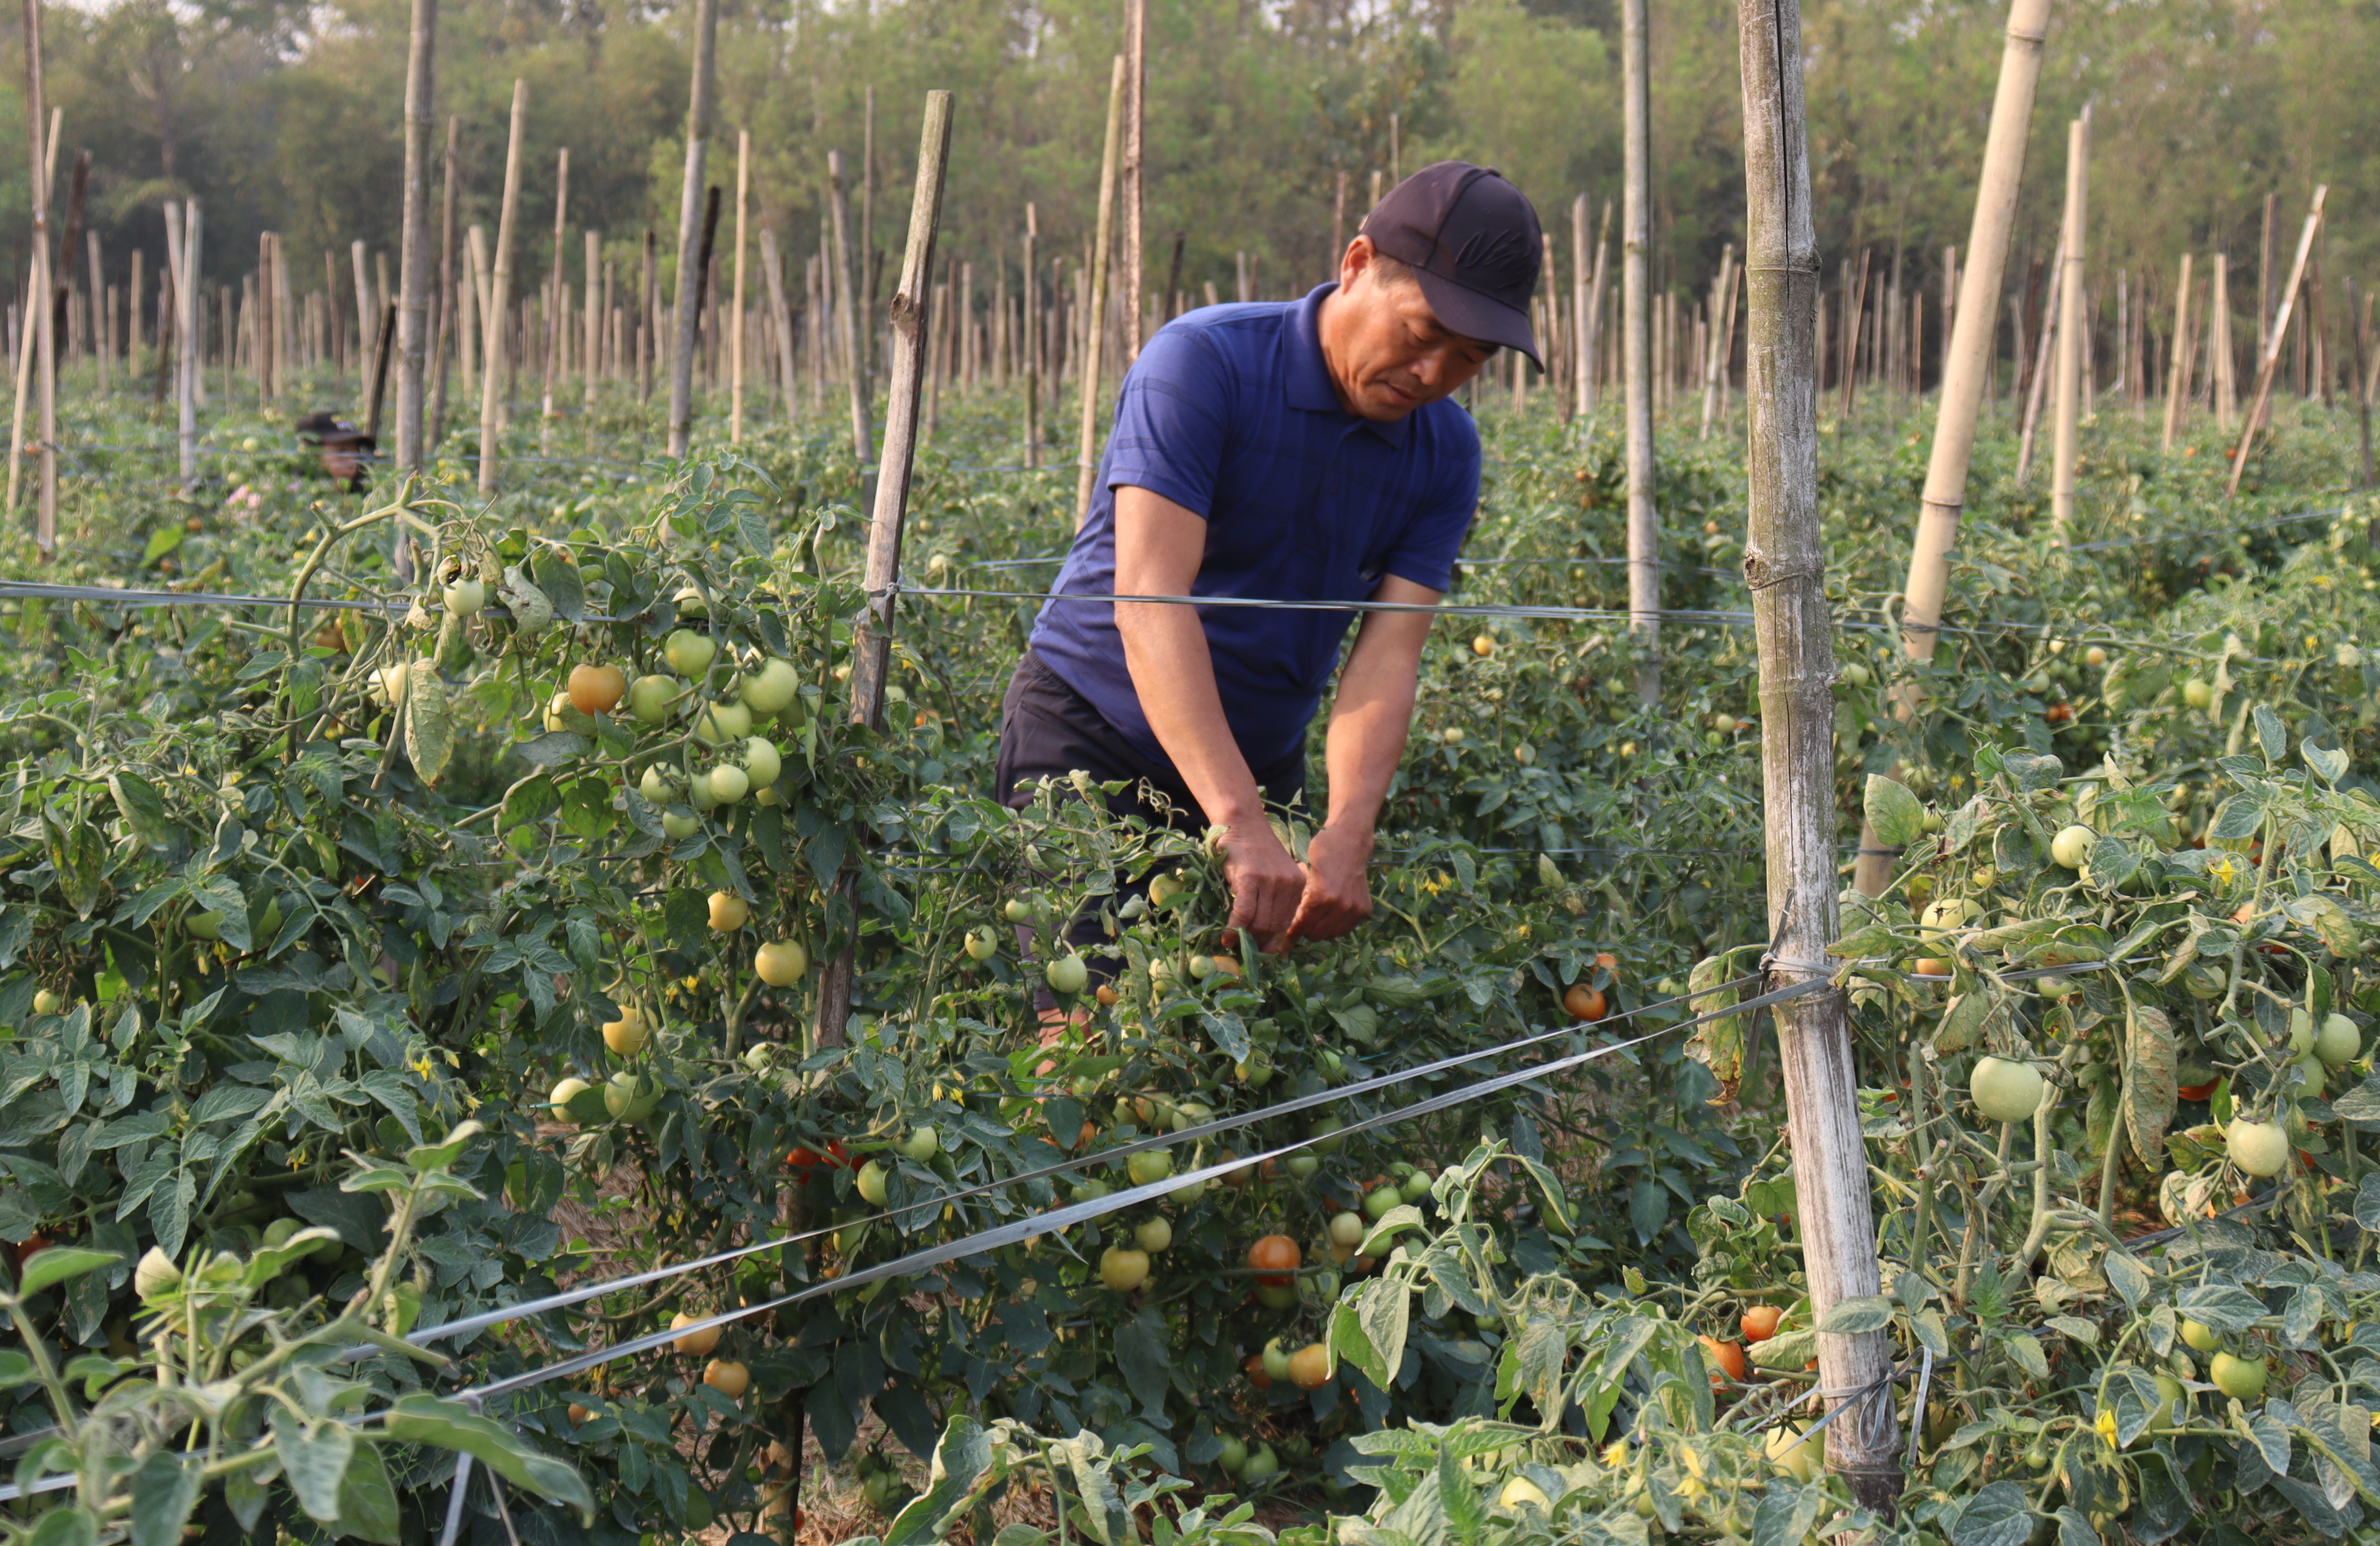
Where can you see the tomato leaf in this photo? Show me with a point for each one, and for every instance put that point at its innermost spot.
(1896, 815)
(1854, 1317)
(2150, 1083)
(59, 1264)
(1995, 1517)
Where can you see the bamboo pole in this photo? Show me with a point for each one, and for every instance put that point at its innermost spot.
(1582, 311)
(772, 270)
(847, 308)
(597, 306)
(2177, 375)
(1966, 369)
(496, 313)
(2280, 333)
(1636, 323)
(1721, 289)
(690, 226)
(2220, 355)
(1032, 305)
(872, 645)
(1133, 192)
(1785, 563)
(862, 252)
(1095, 320)
(445, 333)
(736, 322)
(41, 316)
(2065, 455)
(558, 309)
(649, 307)
(28, 334)
(188, 315)
(413, 317)
(2359, 330)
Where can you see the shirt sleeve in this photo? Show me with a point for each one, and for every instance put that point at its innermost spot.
(1431, 541)
(1172, 420)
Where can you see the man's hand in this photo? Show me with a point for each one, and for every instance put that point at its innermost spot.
(1266, 885)
(1338, 886)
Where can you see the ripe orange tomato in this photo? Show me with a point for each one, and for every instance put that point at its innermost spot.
(1728, 1357)
(1309, 1367)
(1607, 962)
(1583, 1003)
(1253, 1364)
(2057, 713)
(597, 689)
(1275, 1254)
(1760, 1323)
(2196, 1091)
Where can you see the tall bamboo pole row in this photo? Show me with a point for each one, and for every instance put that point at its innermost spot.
(2066, 452)
(872, 646)
(42, 316)
(1135, 192)
(497, 307)
(846, 310)
(1635, 280)
(447, 317)
(689, 226)
(1094, 318)
(189, 361)
(2271, 363)
(1966, 370)
(1785, 563)
(413, 262)
(736, 322)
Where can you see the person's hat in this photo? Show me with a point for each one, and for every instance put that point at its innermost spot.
(1475, 244)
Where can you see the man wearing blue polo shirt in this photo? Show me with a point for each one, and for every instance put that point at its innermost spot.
(1301, 451)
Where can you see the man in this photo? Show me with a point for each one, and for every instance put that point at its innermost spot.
(1300, 451)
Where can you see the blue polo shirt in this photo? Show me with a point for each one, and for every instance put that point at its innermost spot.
(1231, 414)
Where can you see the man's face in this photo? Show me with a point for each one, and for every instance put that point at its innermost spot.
(1388, 354)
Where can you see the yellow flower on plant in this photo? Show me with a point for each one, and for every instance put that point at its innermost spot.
(2107, 1425)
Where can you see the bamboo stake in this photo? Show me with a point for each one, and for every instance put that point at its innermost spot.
(2272, 360)
(1095, 320)
(2177, 377)
(872, 645)
(2066, 450)
(413, 319)
(1721, 288)
(1966, 371)
(188, 313)
(735, 323)
(773, 271)
(496, 314)
(690, 226)
(557, 309)
(597, 306)
(475, 306)
(440, 346)
(648, 306)
(863, 437)
(1032, 305)
(1636, 324)
(40, 315)
(862, 252)
(1136, 42)
(1785, 563)
(103, 331)
(2359, 328)
(2220, 357)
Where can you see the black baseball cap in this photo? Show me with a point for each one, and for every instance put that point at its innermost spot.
(1475, 243)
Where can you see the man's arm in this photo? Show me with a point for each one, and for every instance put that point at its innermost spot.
(1158, 546)
(1367, 740)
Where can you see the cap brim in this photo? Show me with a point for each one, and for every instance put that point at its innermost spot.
(1460, 309)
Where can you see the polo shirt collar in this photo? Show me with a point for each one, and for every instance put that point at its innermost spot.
(1308, 377)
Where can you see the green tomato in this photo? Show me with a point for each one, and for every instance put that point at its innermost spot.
(466, 597)
(2198, 1336)
(729, 783)
(650, 698)
(1378, 1203)
(1234, 1458)
(1416, 1186)
(722, 722)
(689, 653)
(981, 947)
(1260, 1465)
(1067, 974)
(771, 689)
(2338, 1041)
(656, 787)
(761, 762)
(1320, 1131)
(1148, 1165)
(871, 1186)
(1153, 1235)
(680, 827)
(922, 1144)
(1276, 1360)
(2072, 846)
(2005, 1090)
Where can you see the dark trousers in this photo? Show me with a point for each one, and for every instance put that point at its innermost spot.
(1047, 729)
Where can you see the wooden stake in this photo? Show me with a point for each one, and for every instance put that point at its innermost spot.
(690, 226)
(774, 270)
(1723, 288)
(413, 313)
(1636, 324)
(1135, 115)
(188, 316)
(648, 306)
(1785, 563)
(443, 333)
(1032, 341)
(2176, 378)
(597, 305)
(2272, 360)
(1966, 370)
(496, 316)
(1095, 320)
(2220, 355)
(872, 645)
(41, 334)
(2359, 328)
(847, 307)
(2066, 452)
(557, 309)
(735, 303)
